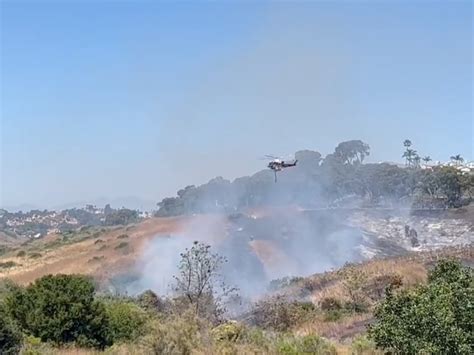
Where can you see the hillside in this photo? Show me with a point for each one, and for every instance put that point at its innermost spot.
(92, 253)
(289, 264)
(262, 244)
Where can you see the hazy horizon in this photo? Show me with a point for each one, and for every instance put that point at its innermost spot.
(112, 100)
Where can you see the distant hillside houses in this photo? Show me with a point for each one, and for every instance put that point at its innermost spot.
(36, 224)
(465, 167)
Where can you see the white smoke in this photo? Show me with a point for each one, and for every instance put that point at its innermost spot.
(258, 250)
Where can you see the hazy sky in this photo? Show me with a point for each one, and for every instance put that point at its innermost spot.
(108, 98)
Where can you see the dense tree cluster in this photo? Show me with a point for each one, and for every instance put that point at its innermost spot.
(122, 216)
(318, 182)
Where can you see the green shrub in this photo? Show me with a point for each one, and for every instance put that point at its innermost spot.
(258, 338)
(122, 236)
(126, 321)
(309, 344)
(176, 335)
(10, 335)
(436, 318)
(60, 309)
(362, 345)
(35, 255)
(34, 346)
(21, 254)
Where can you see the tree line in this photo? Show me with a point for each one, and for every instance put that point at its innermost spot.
(338, 177)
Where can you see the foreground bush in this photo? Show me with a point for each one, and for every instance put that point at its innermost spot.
(10, 336)
(126, 320)
(361, 345)
(60, 309)
(434, 319)
(309, 344)
(176, 335)
(230, 331)
(278, 313)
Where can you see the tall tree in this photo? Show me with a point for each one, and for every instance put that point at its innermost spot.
(408, 152)
(200, 281)
(352, 152)
(426, 159)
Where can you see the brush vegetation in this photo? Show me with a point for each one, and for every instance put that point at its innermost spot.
(425, 310)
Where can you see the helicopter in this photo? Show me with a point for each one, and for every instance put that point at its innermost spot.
(277, 164)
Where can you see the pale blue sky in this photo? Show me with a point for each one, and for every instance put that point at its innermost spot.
(105, 98)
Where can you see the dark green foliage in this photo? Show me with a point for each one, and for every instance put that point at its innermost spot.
(352, 152)
(122, 216)
(122, 236)
(10, 335)
(436, 318)
(444, 183)
(61, 309)
(35, 255)
(21, 254)
(339, 175)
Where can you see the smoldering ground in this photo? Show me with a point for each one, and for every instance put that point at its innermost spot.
(258, 249)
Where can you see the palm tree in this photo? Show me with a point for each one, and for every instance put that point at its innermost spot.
(407, 154)
(416, 160)
(458, 159)
(410, 155)
(426, 159)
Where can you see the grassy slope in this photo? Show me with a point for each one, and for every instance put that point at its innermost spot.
(92, 252)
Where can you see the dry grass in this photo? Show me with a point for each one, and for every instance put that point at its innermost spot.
(74, 257)
(342, 329)
(331, 284)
